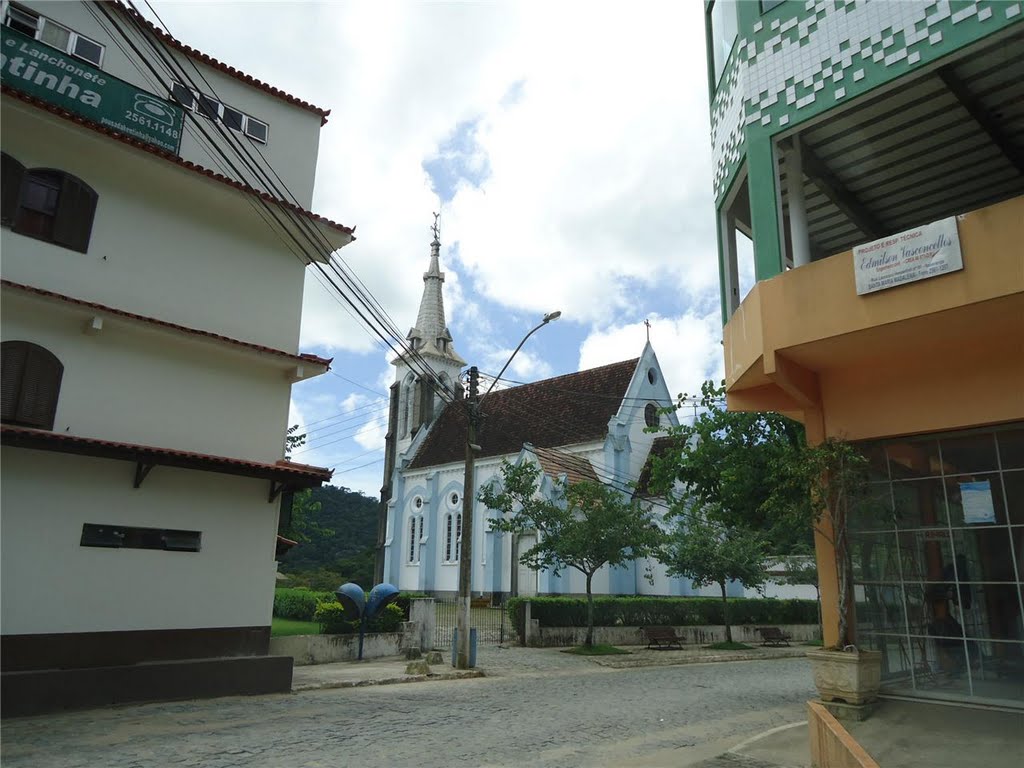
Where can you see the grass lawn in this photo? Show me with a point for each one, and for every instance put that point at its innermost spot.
(726, 646)
(817, 643)
(595, 650)
(282, 627)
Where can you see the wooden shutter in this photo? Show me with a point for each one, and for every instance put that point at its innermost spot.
(12, 367)
(11, 174)
(31, 384)
(76, 208)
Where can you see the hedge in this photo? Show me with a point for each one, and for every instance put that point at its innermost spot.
(298, 602)
(662, 611)
(331, 617)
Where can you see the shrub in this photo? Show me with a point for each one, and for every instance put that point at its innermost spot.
(667, 611)
(298, 602)
(331, 618)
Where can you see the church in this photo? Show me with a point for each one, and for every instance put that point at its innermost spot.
(586, 425)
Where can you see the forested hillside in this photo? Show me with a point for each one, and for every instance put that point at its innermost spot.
(336, 529)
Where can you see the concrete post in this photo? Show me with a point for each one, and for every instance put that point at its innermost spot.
(423, 611)
(527, 624)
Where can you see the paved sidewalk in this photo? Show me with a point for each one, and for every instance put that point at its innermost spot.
(498, 661)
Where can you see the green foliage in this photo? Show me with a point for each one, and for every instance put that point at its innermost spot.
(331, 618)
(292, 440)
(596, 650)
(585, 526)
(282, 627)
(661, 611)
(734, 465)
(298, 603)
(338, 525)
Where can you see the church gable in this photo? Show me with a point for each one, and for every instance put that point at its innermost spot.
(564, 410)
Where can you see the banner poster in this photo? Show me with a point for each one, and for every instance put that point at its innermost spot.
(916, 254)
(976, 499)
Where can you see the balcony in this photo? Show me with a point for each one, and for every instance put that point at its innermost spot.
(805, 340)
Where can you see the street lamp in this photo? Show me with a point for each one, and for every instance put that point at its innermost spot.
(463, 618)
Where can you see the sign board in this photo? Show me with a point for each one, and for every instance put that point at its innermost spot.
(57, 78)
(976, 498)
(916, 254)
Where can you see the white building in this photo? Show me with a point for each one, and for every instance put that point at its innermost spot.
(150, 325)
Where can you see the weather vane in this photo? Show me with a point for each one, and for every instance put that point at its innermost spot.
(435, 229)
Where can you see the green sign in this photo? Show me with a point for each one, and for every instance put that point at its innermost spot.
(53, 76)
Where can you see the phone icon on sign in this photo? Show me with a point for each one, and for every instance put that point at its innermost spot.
(154, 108)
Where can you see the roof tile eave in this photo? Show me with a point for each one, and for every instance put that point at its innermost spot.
(92, 305)
(179, 161)
(227, 69)
(41, 436)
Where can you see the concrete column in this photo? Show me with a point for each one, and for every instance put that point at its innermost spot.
(824, 550)
(527, 624)
(793, 163)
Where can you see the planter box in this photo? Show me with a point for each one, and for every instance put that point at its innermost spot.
(853, 678)
(324, 649)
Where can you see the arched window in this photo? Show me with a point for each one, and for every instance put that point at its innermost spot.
(412, 539)
(448, 538)
(651, 416)
(405, 406)
(46, 204)
(31, 384)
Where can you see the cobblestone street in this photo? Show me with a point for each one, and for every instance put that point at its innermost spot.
(539, 708)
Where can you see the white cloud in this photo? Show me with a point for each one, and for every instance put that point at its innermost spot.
(689, 348)
(525, 366)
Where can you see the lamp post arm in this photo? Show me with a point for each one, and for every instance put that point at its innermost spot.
(547, 319)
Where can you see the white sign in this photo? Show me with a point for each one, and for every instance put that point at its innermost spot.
(976, 498)
(916, 254)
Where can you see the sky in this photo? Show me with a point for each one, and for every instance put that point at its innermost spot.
(566, 146)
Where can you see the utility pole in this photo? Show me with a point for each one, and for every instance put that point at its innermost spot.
(463, 618)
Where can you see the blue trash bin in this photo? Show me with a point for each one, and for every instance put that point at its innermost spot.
(472, 647)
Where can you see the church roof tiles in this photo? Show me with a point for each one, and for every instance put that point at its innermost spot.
(564, 410)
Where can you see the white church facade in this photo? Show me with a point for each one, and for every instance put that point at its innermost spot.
(586, 425)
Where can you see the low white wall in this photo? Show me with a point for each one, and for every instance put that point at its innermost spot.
(324, 649)
(695, 635)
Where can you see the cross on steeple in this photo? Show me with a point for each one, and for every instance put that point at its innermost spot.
(648, 324)
(436, 230)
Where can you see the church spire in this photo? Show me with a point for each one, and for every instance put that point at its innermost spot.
(431, 336)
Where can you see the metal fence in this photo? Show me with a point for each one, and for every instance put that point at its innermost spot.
(491, 623)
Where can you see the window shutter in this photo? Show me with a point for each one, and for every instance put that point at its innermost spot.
(40, 387)
(11, 173)
(76, 208)
(12, 367)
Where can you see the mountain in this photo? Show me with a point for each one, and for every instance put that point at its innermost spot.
(344, 527)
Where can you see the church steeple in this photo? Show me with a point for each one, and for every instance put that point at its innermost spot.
(430, 336)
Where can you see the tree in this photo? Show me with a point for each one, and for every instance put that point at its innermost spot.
(293, 441)
(733, 464)
(710, 554)
(585, 526)
(305, 524)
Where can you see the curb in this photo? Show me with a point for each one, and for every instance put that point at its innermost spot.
(329, 684)
(702, 659)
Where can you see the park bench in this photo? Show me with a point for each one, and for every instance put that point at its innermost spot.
(774, 636)
(663, 638)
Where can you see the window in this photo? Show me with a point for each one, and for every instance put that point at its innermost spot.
(128, 537)
(767, 5)
(651, 416)
(211, 108)
(415, 537)
(723, 34)
(47, 204)
(31, 377)
(53, 34)
(452, 538)
(652, 376)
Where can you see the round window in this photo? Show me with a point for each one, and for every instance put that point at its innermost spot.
(417, 502)
(454, 499)
(652, 376)
(651, 415)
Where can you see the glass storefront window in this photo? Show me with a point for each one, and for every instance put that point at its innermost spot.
(937, 576)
